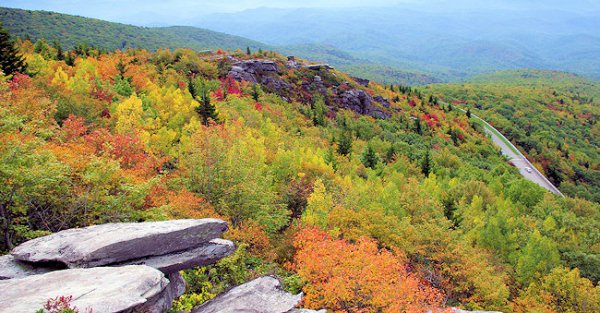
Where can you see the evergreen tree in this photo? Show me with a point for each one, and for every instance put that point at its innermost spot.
(468, 113)
(390, 154)
(248, 52)
(11, 61)
(345, 144)
(256, 91)
(426, 164)
(205, 109)
(369, 157)
(70, 59)
(418, 127)
(60, 54)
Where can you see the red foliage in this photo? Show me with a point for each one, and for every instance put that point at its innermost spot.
(74, 127)
(412, 103)
(258, 106)
(128, 149)
(102, 95)
(231, 85)
(62, 304)
(19, 81)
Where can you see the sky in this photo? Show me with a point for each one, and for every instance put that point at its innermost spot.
(183, 12)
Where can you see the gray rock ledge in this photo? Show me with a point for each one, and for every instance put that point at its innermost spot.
(117, 242)
(103, 289)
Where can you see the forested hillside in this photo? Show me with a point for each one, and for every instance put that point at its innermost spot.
(70, 31)
(368, 198)
(551, 116)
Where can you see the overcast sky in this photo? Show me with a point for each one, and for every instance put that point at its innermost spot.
(177, 12)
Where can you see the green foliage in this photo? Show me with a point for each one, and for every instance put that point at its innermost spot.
(205, 109)
(71, 31)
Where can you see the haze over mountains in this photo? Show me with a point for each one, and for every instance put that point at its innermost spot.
(414, 41)
(435, 40)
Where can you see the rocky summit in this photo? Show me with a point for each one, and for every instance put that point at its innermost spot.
(128, 267)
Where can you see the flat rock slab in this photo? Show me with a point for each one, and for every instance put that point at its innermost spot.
(117, 242)
(263, 295)
(207, 253)
(102, 289)
(11, 268)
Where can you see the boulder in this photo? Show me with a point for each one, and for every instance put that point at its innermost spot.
(162, 301)
(362, 103)
(383, 101)
(265, 293)
(113, 243)
(102, 289)
(11, 268)
(205, 254)
(361, 81)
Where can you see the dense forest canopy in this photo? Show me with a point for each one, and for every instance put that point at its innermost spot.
(410, 210)
(551, 116)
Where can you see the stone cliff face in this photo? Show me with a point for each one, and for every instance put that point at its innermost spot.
(128, 267)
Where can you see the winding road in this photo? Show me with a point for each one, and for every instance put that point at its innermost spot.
(515, 157)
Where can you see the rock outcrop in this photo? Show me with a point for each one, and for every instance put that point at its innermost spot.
(362, 103)
(264, 72)
(102, 289)
(264, 295)
(117, 242)
(205, 254)
(136, 258)
(252, 70)
(140, 264)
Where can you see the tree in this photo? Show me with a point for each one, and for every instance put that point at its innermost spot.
(248, 52)
(11, 60)
(60, 54)
(256, 91)
(345, 277)
(468, 113)
(369, 157)
(426, 164)
(205, 109)
(345, 144)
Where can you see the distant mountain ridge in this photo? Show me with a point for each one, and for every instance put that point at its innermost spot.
(441, 40)
(71, 30)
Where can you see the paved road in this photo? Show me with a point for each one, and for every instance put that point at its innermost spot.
(525, 167)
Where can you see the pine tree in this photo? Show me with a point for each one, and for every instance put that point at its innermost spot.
(369, 157)
(426, 164)
(345, 144)
(248, 52)
(418, 127)
(11, 61)
(256, 91)
(205, 109)
(468, 113)
(60, 54)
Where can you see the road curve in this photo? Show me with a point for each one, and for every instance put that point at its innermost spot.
(527, 170)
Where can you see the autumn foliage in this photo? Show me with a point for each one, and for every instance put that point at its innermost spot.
(358, 277)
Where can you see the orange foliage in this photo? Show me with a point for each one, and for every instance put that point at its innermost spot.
(256, 237)
(345, 277)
